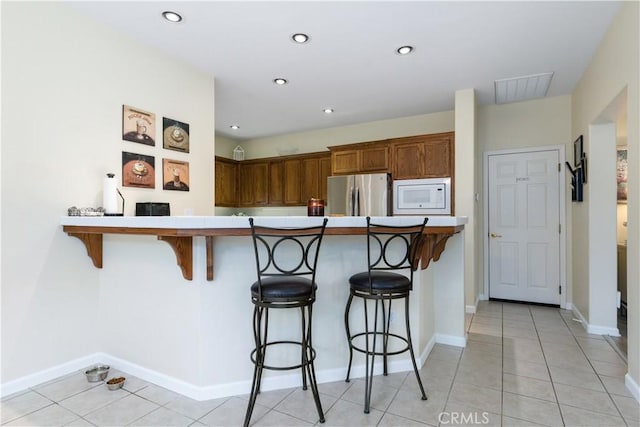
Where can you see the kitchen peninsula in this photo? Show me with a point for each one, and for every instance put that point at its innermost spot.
(207, 318)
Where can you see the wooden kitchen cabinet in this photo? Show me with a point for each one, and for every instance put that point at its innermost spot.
(374, 159)
(424, 156)
(325, 172)
(344, 162)
(253, 183)
(226, 180)
(276, 183)
(407, 163)
(292, 182)
(360, 158)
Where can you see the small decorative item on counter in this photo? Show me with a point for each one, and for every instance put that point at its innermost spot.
(315, 207)
(239, 214)
(115, 383)
(97, 373)
(74, 211)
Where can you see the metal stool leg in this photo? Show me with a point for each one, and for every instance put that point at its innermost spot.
(346, 327)
(410, 343)
(309, 364)
(259, 362)
(386, 322)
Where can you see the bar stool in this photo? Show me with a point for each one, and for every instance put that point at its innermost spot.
(390, 249)
(286, 260)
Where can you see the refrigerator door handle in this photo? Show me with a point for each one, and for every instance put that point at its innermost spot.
(356, 204)
(350, 204)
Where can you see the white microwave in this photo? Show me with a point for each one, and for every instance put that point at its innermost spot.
(429, 196)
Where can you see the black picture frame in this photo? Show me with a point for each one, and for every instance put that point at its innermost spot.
(578, 152)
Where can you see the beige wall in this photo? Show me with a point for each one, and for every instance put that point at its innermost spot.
(64, 81)
(613, 68)
(536, 123)
(319, 140)
(225, 146)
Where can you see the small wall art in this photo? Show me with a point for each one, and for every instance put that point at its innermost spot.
(138, 126)
(621, 174)
(138, 170)
(175, 135)
(175, 175)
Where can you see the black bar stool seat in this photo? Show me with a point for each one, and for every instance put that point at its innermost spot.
(284, 288)
(380, 282)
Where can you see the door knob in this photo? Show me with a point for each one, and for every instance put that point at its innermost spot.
(494, 235)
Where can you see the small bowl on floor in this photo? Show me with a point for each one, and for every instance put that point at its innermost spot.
(115, 383)
(97, 373)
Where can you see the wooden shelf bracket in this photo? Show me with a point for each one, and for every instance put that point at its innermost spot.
(93, 243)
(183, 248)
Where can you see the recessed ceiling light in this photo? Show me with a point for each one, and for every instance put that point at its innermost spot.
(171, 16)
(300, 38)
(280, 81)
(234, 127)
(404, 50)
(328, 110)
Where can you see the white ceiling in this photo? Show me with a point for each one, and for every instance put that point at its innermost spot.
(350, 63)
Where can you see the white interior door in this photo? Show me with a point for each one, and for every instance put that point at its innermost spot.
(524, 226)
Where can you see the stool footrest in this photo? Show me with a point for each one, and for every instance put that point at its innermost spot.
(379, 353)
(283, 368)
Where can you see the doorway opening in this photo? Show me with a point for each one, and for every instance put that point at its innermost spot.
(616, 114)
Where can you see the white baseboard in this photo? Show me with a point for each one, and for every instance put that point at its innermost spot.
(208, 392)
(451, 340)
(594, 329)
(471, 309)
(632, 386)
(49, 374)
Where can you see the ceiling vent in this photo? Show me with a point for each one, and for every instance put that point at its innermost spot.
(522, 88)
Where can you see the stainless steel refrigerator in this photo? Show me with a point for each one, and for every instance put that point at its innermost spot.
(359, 195)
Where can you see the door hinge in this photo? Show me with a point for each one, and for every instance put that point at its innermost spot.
(560, 289)
(559, 166)
(559, 228)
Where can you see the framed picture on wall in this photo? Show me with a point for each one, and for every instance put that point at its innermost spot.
(578, 152)
(175, 175)
(175, 135)
(621, 174)
(138, 170)
(138, 126)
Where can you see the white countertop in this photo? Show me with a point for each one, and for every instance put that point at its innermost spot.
(243, 221)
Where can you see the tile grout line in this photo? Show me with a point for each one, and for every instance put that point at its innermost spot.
(596, 372)
(553, 386)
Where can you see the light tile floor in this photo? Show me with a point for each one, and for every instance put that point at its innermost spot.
(523, 366)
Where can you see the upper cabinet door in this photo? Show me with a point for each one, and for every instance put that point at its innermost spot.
(276, 183)
(424, 156)
(226, 183)
(438, 158)
(292, 182)
(325, 172)
(374, 159)
(253, 184)
(408, 160)
(344, 162)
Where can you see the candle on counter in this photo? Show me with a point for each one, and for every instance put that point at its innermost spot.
(315, 207)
